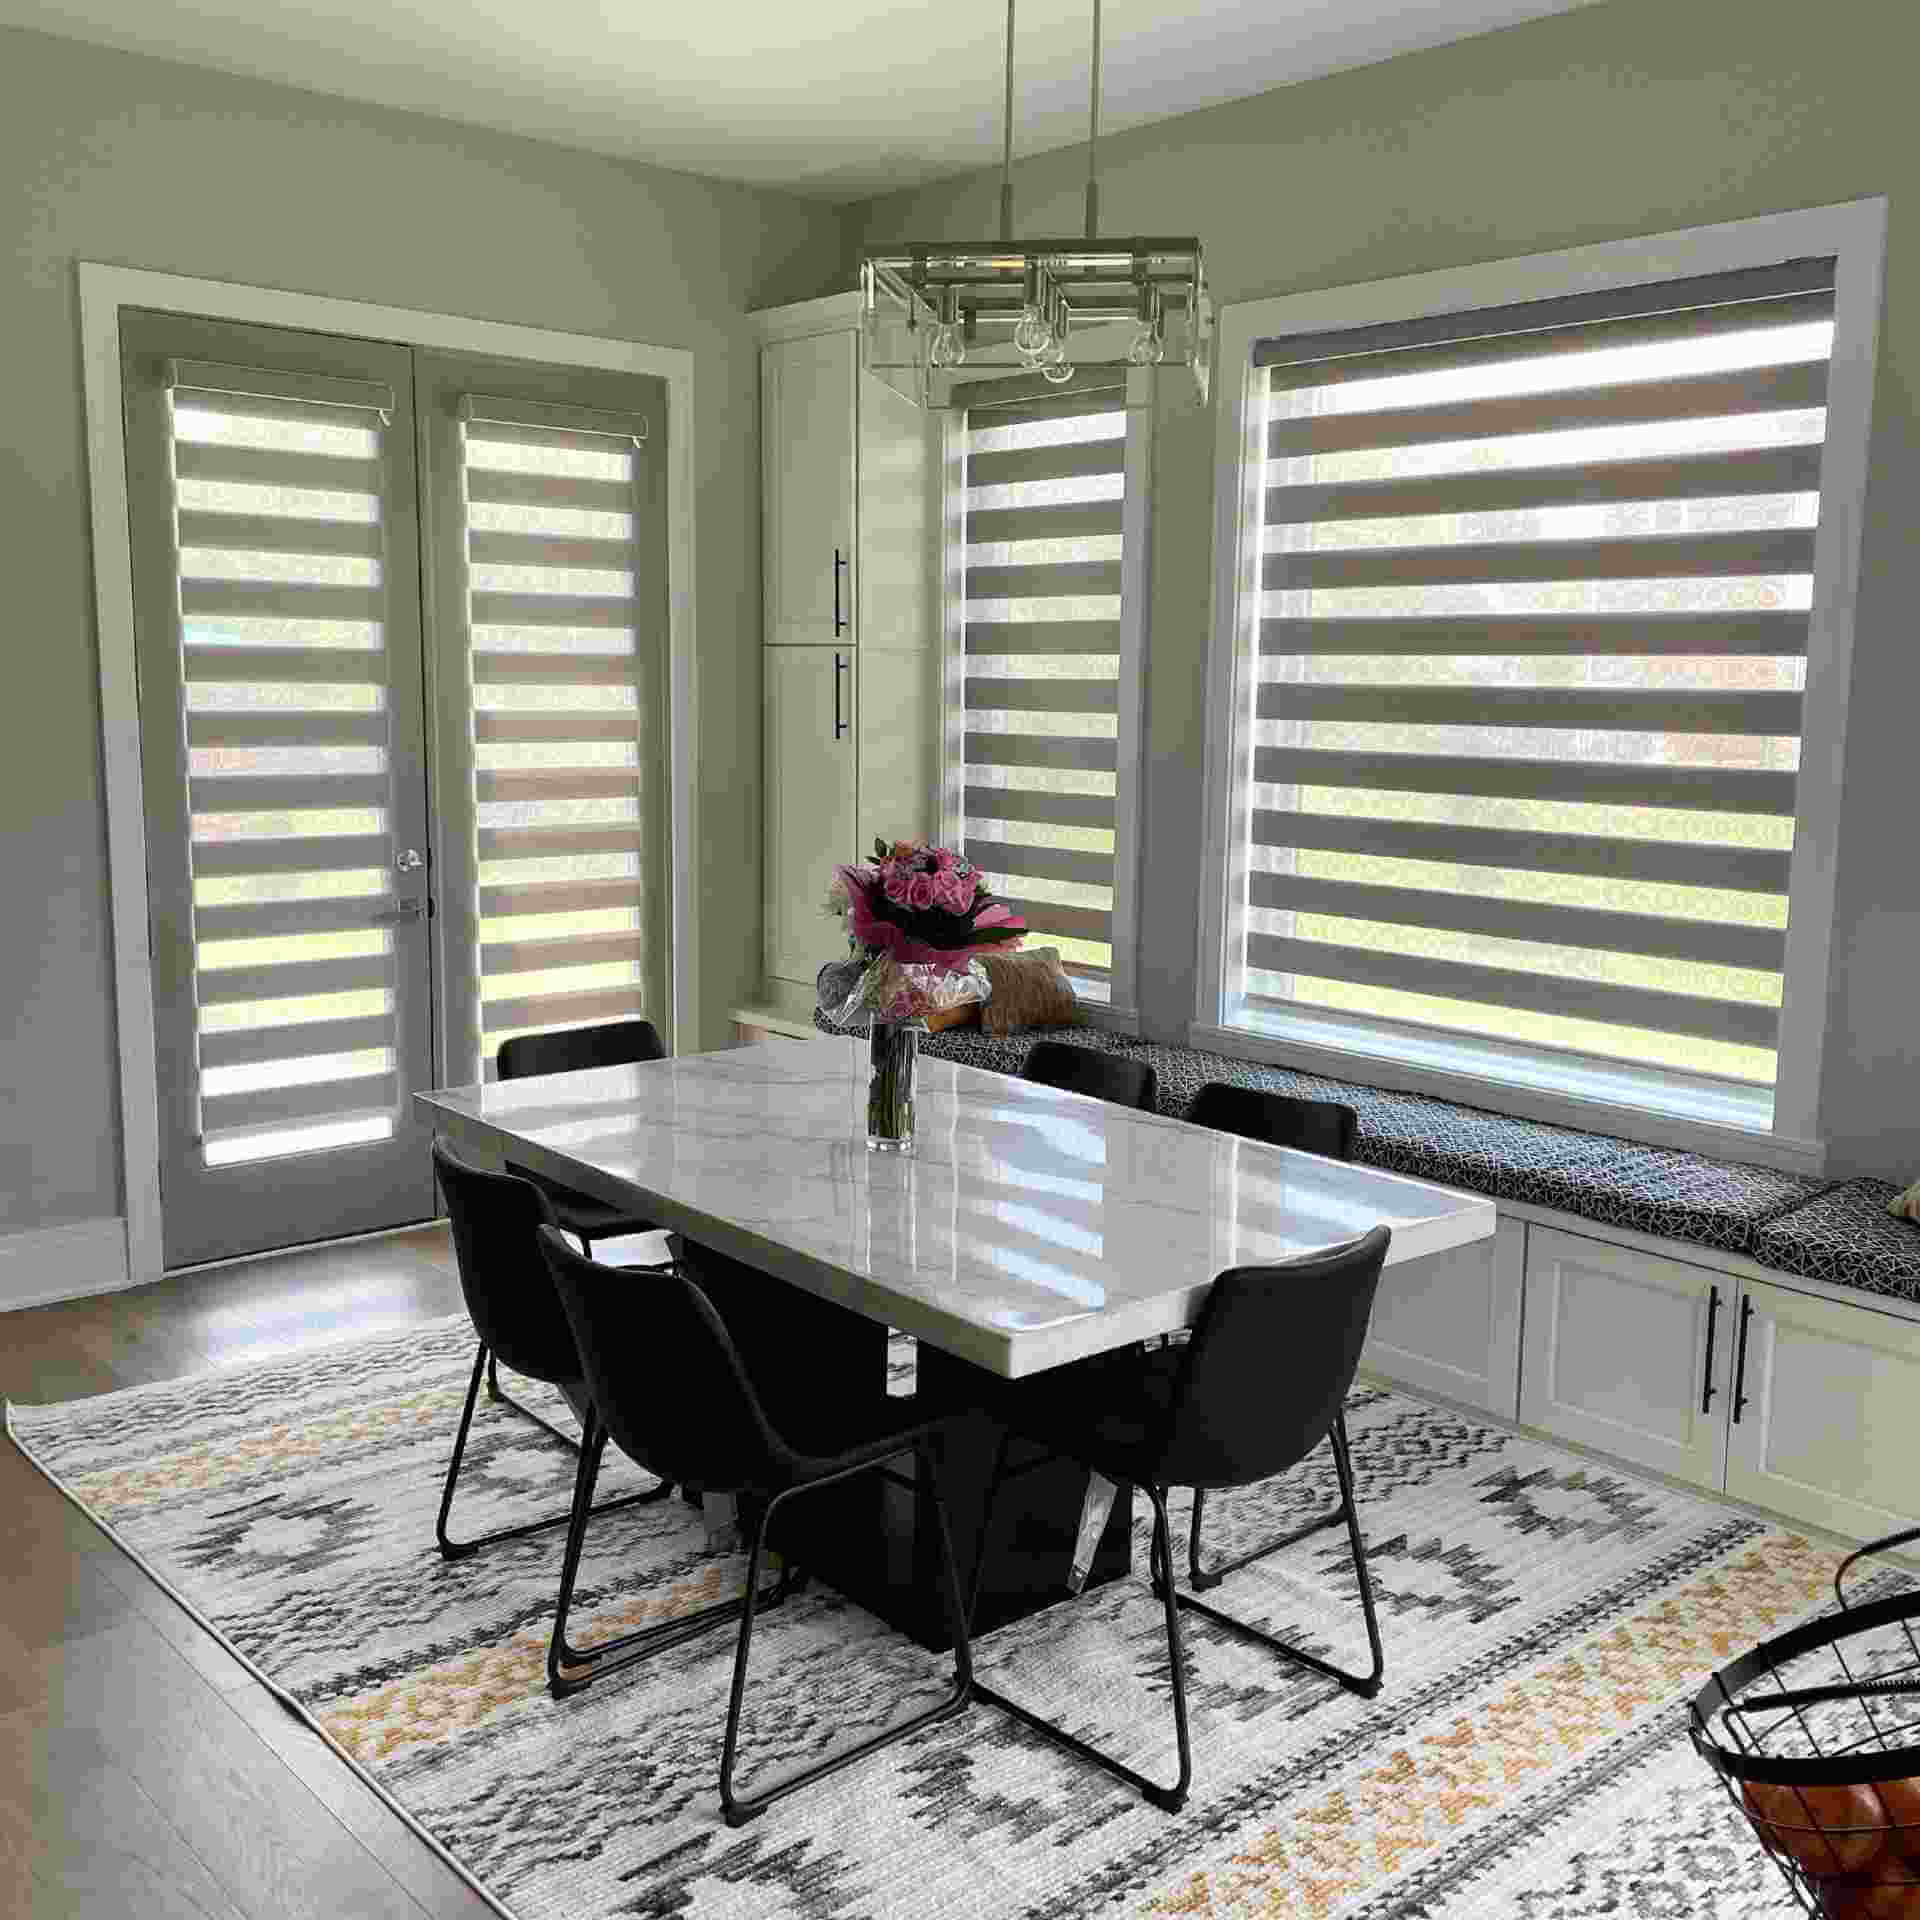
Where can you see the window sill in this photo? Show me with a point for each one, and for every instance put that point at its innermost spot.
(1596, 1096)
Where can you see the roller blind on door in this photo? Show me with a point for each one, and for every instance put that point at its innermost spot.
(280, 524)
(1040, 688)
(1525, 714)
(563, 585)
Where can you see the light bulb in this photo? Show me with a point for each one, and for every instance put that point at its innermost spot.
(1057, 372)
(947, 348)
(1031, 335)
(1147, 349)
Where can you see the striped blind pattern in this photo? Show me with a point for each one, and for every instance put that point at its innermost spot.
(1523, 733)
(1045, 485)
(279, 519)
(563, 725)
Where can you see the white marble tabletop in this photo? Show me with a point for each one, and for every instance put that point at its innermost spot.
(1029, 1228)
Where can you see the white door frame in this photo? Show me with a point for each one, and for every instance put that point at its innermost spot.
(104, 292)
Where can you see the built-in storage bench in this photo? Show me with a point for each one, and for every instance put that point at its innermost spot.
(1746, 1330)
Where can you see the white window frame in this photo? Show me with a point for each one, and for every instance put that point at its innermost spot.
(1854, 233)
(1121, 1011)
(104, 292)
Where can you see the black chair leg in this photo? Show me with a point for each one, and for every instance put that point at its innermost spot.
(1204, 1578)
(1168, 1799)
(1367, 1684)
(572, 1669)
(451, 1549)
(739, 1809)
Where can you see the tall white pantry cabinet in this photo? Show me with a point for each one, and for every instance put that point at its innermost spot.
(851, 661)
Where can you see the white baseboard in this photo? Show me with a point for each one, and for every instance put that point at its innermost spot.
(63, 1263)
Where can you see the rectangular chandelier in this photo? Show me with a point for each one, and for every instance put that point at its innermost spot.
(940, 314)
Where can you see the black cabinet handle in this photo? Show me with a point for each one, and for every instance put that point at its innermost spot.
(1713, 1321)
(839, 563)
(839, 667)
(1740, 1365)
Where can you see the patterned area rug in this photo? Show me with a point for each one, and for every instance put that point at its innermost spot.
(1544, 1619)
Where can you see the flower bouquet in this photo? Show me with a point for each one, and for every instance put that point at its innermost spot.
(915, 915)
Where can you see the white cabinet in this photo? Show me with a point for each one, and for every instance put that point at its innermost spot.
(852, 661)
(1450, 1324)
(810, 696)
(1825, 1422)
(808, 430)
(1628, 1352)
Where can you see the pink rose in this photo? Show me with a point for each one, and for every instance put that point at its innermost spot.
(920, 891)
(896, 881)
(953, 890)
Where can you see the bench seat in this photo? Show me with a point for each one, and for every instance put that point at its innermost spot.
(1847, 1237)
(1617, 1183)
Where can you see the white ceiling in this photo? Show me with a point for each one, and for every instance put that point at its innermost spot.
(837, 99)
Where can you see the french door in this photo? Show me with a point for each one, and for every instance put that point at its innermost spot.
(399, 626)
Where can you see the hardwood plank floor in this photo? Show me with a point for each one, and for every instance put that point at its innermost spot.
(143, 1770)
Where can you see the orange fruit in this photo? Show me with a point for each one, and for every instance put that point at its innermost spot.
(1828, 1830)
(1846, 1900)
(1901, 1801)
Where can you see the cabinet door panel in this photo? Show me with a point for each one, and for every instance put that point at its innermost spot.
(810, 734)
(807, 443)
(1830, 1428)
(1620, 1347)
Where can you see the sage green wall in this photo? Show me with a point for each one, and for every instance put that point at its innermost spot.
(138, 162)
(1628, 117)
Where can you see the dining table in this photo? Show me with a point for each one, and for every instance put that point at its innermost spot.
(1029, 1229)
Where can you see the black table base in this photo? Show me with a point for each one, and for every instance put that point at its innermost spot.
(873, 1538)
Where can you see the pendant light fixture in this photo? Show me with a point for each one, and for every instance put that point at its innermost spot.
(938, 315)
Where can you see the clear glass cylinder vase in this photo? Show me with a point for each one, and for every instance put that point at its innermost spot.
(893, 1048)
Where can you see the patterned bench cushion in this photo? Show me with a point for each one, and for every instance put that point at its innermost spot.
(1847, 1236)
(1619, 1183)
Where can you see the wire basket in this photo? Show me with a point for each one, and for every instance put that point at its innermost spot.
(1816, 1736)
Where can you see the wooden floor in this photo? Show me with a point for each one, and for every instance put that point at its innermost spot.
(143, 1772)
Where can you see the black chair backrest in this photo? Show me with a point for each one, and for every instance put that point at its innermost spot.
(1324, 1127)
(514, 1308)
(665, 1375)
(619, 1043)
(1269, 1365)
(1106, 1076)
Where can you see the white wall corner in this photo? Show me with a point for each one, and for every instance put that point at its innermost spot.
(63, 1263)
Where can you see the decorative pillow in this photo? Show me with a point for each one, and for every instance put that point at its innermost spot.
(967, 1014)
(1906, 1205)
(1030, 989)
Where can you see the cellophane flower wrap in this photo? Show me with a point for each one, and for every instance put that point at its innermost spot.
(915, 916)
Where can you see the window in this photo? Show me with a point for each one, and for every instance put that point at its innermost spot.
(1526, 602)
(1042, 715)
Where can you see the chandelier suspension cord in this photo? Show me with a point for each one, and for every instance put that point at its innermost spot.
(1006, 146)
(1093, 134)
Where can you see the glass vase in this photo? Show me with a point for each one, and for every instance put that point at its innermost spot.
(893, 1047)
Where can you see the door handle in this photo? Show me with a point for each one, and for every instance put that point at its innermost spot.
(839, 562)
(839, 667)
(403, 911)
(1740, 1365)
(1713, 1320)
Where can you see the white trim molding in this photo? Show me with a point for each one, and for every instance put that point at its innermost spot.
(1854, 234)
(63, 1263)
(105, 292)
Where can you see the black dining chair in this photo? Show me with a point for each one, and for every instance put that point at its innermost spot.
(617, 1043)
(1263, 1381)
(1106, 1076)
(693, 1414)
(518, 1317)
(1325, 1127)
